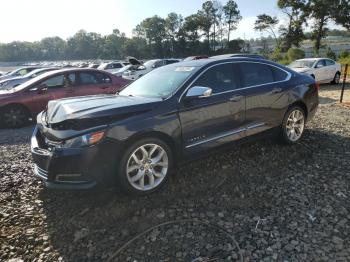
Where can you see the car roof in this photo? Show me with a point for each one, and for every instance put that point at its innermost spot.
(214, 60)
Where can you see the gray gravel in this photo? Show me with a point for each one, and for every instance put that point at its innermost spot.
(278, 203)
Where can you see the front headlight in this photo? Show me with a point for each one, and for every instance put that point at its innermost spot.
(84, 141)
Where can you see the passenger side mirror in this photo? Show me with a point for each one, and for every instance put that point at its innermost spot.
(199, 92)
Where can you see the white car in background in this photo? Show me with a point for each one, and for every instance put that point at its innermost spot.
(323, 70)
(139, 70)
(112, 66)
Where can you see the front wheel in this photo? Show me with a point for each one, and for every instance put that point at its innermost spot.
(293, 125)
(336, 79)
(145, 166)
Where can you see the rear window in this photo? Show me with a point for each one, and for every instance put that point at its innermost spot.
(330, 62)
(258, 74)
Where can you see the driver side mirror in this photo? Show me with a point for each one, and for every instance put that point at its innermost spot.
(199, 92)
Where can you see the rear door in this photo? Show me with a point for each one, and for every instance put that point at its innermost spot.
(265, 86)
(92, 83)
(331, 69)
(217, 119)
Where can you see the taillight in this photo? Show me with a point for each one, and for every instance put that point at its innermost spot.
(317, 86)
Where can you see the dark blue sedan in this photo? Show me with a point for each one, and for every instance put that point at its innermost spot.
(174, 113)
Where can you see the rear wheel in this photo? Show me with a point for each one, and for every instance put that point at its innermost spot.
(293, 125)
(15, 116)
(336, 79)
(145, 166)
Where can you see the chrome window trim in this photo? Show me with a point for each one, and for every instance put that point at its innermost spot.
(229, 133)
(289, 76)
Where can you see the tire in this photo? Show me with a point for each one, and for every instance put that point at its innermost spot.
(15, 116)
(292, 129)
(336, 79)
(145, 176)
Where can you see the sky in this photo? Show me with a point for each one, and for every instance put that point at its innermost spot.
(32, 20)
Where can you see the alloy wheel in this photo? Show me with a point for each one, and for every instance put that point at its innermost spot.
(14, 117)
(147, 167)
(295, 125)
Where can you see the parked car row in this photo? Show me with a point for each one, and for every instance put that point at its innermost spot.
(174, 113)
(21, 103)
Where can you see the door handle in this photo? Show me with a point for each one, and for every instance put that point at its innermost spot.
(276, 90)
(104, 87)
(236, 98)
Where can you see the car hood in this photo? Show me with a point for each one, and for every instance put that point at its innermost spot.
(7, 92)
(89, 111)
(301, 69)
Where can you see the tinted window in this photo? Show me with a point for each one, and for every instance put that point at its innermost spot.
(56, 81)
(87, 79)
(278, 74)
(102, 78)
(256, 74)
(71, 78)
(330, 62)
(220, 78)
(118, 65)
(321, 63)
(94, 78)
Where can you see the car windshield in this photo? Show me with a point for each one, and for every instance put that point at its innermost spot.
(302, 63)
(159, 83)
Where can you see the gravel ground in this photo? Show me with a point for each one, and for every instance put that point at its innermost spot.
(257, 202)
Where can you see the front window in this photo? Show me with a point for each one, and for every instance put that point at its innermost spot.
(302, 64)
(160, 83)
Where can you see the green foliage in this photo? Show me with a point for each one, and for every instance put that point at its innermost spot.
(331, 54)
(294, 54)
(276, 55)
(267, 23)
(344, 54)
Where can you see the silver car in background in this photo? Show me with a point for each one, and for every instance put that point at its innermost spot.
(16, 81)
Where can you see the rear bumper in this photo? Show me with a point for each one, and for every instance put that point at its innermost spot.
(69, 168)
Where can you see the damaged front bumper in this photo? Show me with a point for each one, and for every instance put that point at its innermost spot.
(68, 168)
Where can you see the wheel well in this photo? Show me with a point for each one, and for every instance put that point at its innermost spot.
(302, 105)
(17, 105)
(155, 134)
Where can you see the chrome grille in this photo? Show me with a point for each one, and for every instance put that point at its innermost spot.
(43, 174)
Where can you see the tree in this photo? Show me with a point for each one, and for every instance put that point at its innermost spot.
(296, 11)
(232, 17)
(267, 23)
(173, 24)
(342, 13)
(323, 11)
(206, 19)
(295, 53)
(154, 31)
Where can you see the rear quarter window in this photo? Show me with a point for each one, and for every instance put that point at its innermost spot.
(254, 74)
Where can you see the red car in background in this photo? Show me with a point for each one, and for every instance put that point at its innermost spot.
(19, 104)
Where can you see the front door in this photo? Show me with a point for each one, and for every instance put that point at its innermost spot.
(93, 83)
(217, 119)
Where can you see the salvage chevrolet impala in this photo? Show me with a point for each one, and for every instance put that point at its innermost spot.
(136, 137)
